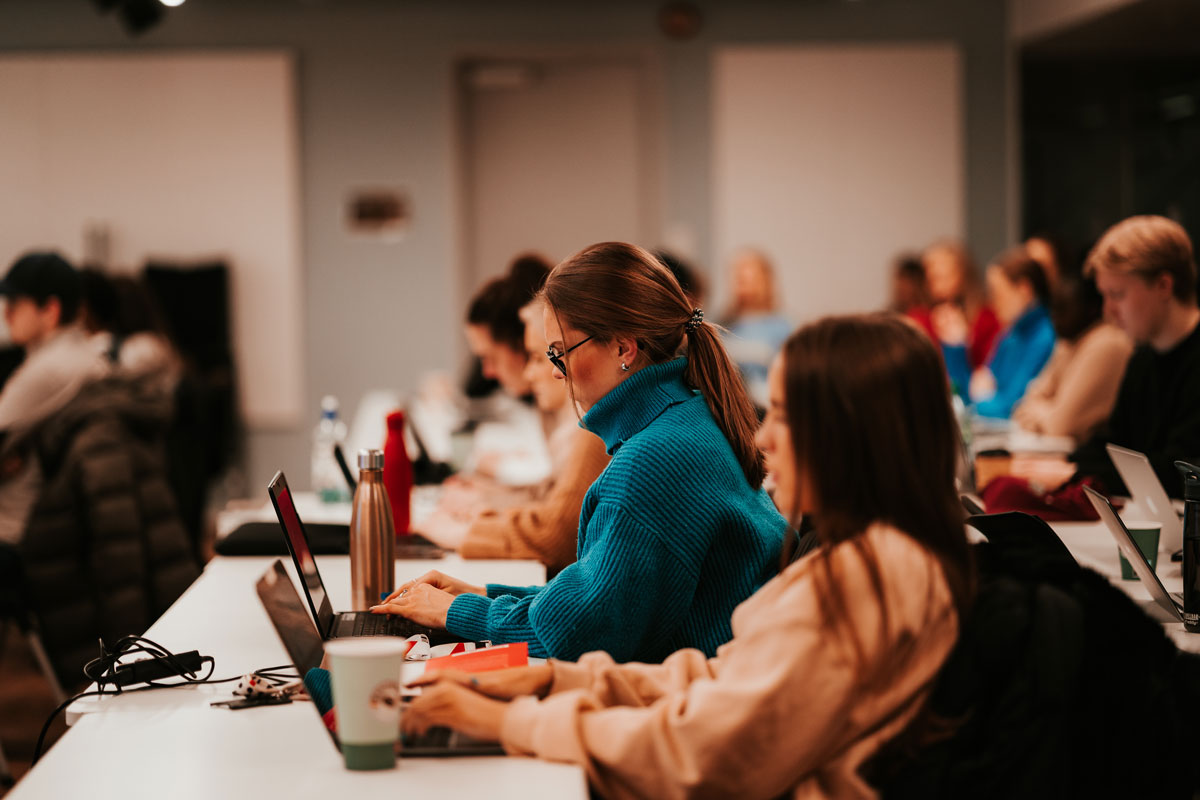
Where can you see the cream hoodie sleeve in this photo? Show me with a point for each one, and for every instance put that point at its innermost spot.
(777, 710)
(546, 529)
(1086, 388)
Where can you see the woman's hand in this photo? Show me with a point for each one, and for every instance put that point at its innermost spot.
(446, 529)
(949, 324)
(983, 385)
(502, 684)
(450, 704)
(438, 580)
(423, 604)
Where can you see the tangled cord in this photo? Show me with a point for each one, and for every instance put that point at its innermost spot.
(102, 671)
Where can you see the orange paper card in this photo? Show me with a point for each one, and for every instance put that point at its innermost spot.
(489, 658)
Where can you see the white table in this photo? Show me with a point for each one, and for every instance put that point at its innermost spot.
(1093, 546)
(170, 743)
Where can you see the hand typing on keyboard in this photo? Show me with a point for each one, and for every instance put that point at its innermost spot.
(422, 603)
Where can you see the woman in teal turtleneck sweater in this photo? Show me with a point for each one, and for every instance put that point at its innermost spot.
(677, 530)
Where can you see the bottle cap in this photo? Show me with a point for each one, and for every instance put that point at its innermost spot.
(1191, 480)
(329, 407)
(370, 459)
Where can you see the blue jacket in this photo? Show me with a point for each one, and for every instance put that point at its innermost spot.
(671, 538)
(1020, 354)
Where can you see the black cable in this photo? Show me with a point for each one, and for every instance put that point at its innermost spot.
(101, 671)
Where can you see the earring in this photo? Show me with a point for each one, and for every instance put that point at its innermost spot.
(624, 367)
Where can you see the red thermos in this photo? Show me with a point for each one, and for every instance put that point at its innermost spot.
(397, 472)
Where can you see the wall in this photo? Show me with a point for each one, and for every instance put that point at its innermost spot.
(376, 106)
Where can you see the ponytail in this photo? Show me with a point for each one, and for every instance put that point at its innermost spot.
(712, 372)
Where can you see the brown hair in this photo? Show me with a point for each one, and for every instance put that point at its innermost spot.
(497, 304)
(875, 437)
(612, 290)
(1147, 246)
(1018, 266)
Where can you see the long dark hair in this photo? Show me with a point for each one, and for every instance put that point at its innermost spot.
(874, 435)
(612, 290)
(497, 305)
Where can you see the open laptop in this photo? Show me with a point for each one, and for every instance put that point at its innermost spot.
(306, 650)
(329, 624)
(1147, 493)
(1170, 602)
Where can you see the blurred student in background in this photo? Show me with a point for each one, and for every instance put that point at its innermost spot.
(544, 529)
(1045, 250)
(496, 337)
(678, 529)
(495, 332)
(1075, 393)
(910, 292)
(42, 293)
(1019, 294)
(831, 659)
(755, 328)
(961, 318)
(125, 327)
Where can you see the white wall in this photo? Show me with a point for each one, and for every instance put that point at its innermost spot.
(863, 158)
(182, 157)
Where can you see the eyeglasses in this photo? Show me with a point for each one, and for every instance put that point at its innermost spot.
(557, 358)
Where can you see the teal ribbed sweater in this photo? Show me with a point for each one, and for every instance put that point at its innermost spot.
(671, 539)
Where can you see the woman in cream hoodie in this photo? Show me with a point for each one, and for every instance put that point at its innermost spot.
(831, 659)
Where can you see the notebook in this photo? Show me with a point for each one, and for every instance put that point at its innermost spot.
(1148, 495)
(1169, 602)
(306, 650)
(329, 624)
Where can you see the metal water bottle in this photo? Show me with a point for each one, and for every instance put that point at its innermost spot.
(1191, 545)
(372, 535)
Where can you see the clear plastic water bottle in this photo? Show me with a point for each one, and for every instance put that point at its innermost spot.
(327, 479)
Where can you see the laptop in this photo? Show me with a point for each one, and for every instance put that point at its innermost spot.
(306, 650)
(1148, 494)
(1170, 602)
(329, 624)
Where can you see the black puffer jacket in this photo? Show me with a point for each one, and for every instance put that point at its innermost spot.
(104, 550)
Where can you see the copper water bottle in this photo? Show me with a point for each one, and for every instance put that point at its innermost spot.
(372, 535)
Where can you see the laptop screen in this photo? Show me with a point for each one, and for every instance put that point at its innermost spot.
(306, 565)
(293, 624)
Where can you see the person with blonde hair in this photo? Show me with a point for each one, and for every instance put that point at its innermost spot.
(1146, 272)
(755, 329)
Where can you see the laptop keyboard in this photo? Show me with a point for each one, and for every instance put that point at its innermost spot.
(380, 625)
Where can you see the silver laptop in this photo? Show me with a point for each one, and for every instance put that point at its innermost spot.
(1148, 495)
(1170, 602)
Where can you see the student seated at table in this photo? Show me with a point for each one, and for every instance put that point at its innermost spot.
(831, 659)
(960, 316)
(1019, 293)
(543, 529)
(678, 529)
(1075, 393)
(495, 336)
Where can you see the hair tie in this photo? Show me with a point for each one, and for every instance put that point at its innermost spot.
(694, 321)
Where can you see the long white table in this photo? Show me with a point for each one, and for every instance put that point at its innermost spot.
(171, 743)
(1093, 546)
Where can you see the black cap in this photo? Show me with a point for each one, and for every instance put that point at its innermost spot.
(40, 276)
(1191, 480)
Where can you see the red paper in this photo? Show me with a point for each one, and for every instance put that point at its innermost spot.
(499, 657)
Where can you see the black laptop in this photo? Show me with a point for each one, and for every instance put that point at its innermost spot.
(345, 623)
(306, 649)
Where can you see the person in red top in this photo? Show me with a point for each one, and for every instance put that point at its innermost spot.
(960, 314)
